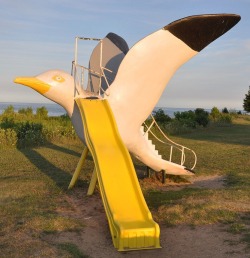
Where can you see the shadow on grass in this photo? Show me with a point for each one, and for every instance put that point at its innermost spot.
(66, 150)
(236, 134)
(58, 175)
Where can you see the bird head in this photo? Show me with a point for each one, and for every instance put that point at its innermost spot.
(55, 85)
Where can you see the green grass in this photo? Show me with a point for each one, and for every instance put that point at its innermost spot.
(221, 151)
(34, 200)
(34, 197)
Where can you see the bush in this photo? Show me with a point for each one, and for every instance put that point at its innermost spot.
(29, 134)
(225, 119)
(7, 122)
(8, 137)
(59, 132)
(192, 119)
(201, 117)
(26, 111)
(176, 127)
(42, 113)
(9, 111)
(33, 131)
(161, 117)
(225, 110)
(185, 115)
(215, 114)
(186, 118)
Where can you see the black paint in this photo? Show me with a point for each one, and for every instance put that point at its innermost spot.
(200, 30)
(119, 42)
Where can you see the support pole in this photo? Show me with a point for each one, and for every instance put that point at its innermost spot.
(78, 168)
(148, 172)
(163, 176)
(92, 183)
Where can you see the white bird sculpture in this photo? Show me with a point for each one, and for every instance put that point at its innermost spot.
(141, 78)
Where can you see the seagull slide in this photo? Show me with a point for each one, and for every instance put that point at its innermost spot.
(140, 81)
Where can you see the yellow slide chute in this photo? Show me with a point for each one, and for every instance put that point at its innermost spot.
(129, 218)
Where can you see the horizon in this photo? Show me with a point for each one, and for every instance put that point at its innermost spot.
(32, 43)
(156, 107)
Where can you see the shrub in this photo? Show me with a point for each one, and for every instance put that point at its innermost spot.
(201, 117)
(65, 117)
(186, 118)
(225, 110)
(161, 117)
(185, 115)
(215, 114)
(42, 113)
(176, 127)
(29, 134)
(225, 119)
(58, 132)
(9, 111)
(26, 111)
(8, 137)
(7, 122)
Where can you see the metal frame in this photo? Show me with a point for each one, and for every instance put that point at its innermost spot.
(76, 66)
(170, 143)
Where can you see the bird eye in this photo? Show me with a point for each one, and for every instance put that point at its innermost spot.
(58, 78)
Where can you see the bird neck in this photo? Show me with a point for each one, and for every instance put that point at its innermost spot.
(76, 120)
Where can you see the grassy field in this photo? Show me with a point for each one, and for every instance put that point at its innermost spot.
(35, 202)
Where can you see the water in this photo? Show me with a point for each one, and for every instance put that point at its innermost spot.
(53, 109)
(56, 110)
(170, 111)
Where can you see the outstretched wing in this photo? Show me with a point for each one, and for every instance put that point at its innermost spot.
(107, 55)
(146, 70)
(151, 62)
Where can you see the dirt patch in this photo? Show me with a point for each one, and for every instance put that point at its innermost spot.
(177, 242)
(209, 182)
(180, 241)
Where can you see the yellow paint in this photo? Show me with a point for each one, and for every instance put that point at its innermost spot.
(92, 183)
(78, 168)
(33, 83)
(58, 78)
(129, 218)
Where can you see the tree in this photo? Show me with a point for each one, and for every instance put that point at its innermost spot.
(215, 113)
(201, 116)
(42, 113)
(246, 101)
(26, 111)
(187, 118)
(225, 110)
(9, 111)
(161, 117)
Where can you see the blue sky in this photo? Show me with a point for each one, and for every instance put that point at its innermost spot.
(36, 36)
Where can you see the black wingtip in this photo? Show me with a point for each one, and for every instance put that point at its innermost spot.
(119, 42)
(198, 31)
(190, 170)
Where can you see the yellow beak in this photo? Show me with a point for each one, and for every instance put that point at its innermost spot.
(33, 83)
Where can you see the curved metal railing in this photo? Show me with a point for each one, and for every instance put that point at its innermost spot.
(172, 145)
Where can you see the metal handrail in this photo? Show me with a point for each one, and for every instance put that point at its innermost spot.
(81, 79)
(101, 74)
(172, 144)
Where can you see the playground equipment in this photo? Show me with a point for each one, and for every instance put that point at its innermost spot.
(103, 64)
(104, 76)
(126, 100)
(130, 220)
